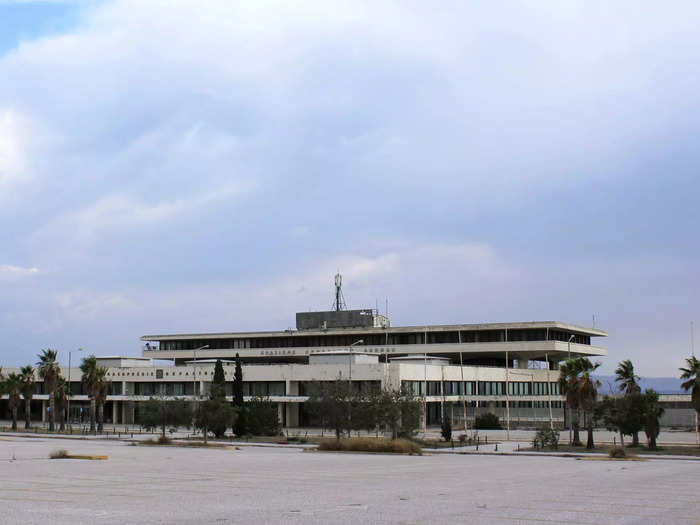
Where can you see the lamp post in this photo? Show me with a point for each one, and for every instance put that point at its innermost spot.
(358, 342)
(567, 404)
(70, 424)
(194, 370)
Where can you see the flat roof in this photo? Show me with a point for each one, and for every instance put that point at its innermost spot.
(121, 357)
(595, 332)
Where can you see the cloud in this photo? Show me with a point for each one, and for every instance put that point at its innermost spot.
(10, 270)
(174, 166)
(14, 154)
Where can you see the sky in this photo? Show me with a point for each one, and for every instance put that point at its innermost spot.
(209, 166)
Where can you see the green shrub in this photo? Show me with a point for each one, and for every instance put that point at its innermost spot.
(59, 453)
(396, 446)
(546, 437)
(261, 417)
(487, 422)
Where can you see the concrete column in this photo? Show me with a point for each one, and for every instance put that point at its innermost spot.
(114, 411)
(128, 411)
(43, 411)
(292, 414)
(522, 363)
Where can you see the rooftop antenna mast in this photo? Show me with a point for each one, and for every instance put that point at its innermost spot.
(339, 303)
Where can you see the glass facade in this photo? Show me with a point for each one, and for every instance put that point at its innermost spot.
(299, 339)
(480, 388)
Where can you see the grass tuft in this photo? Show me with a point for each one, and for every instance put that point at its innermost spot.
(617, 452)
(395, 446)
(59, 453)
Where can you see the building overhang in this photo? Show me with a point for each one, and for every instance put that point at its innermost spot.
(555, 325)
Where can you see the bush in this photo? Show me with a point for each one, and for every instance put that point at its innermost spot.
(262, 417)
(446, 429)
(487, 422)
(546, 437)
(164, 440)
(462, 439)
(59, 453)
(396, 446)
(617, 452)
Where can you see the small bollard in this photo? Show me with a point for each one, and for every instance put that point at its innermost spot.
(496, 449)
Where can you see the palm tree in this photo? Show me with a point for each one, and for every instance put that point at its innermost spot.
(628, 384)
(13, 386)
(569, 386)
(652, 413)
(92, 378)
(28, 381)
(692, 374)
(49, 372)
(588, 392)
(626, 377)
(102, 389)
(61, 400)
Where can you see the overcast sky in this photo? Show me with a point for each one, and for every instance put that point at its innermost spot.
(185, 166)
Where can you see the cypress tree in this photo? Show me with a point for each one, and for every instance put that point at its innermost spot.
(218, 384)
(240, 426)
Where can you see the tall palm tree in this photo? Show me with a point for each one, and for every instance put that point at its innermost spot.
(61, 393)
(628, 384)
(102, 389)
(12, 385)
(692, 375)
(652, 413)
(569, 386)
(49, 372)
(91, 379)
(588, 392)
(28, 382)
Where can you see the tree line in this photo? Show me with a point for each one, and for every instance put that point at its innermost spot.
(214, 414)
(339, 407)
(335, 405)
(21, 386)
(627, 414)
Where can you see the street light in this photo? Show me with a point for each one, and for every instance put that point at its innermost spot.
(569, 343)
(70, 424)
(194, 369)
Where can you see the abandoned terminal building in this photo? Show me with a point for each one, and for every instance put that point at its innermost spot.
(510, 369)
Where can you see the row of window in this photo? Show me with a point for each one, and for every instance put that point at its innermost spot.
(417, 338)
(306, 388)
(250, 388)
(481, 388)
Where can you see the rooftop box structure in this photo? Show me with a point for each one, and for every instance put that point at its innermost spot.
(110, 361)
(335, 319)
